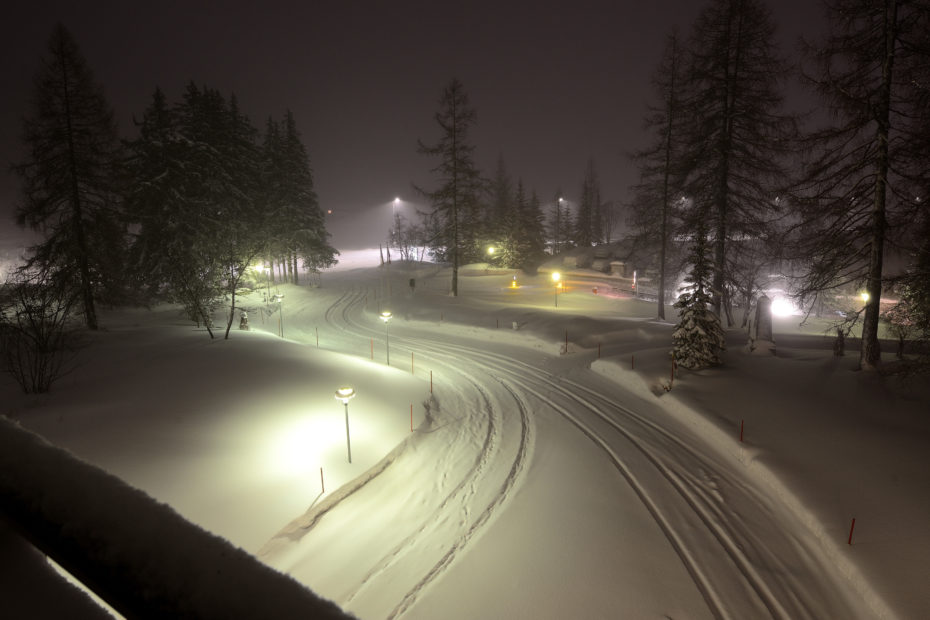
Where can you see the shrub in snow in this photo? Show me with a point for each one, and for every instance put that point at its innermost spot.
(36, 330)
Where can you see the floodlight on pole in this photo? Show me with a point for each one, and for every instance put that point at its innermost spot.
(345, 394)
(556, 277)
(386, 317)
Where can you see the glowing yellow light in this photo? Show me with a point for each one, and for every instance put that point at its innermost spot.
(865, 296)
(491, 250)
(513, 284)
(386, 316)
(556, 276)
(345, 393)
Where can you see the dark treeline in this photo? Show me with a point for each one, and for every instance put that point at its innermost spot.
(498, 221)
(178, 212)
(734, 190)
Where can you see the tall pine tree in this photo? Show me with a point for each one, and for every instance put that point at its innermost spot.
(737, 137)
(865, 183)
(456, 201)
(656, 198)
(69, 179)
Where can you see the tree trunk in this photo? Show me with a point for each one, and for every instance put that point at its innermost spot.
(870, 354)
(232, 310)
(87, 293)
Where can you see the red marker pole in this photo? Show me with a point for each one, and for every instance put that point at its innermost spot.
(851, 528)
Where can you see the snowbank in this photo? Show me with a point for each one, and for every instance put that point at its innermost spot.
(139, 555)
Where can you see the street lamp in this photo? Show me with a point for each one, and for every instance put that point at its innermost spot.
(386, 316)
(279, 297)
(556, 276)
(558, 217)
(345, 394)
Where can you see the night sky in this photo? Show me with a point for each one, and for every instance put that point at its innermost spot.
(553, 83)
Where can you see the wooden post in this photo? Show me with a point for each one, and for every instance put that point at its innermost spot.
(431, 382)
(322, 486)
(741, 431)
(851, 528)
(317, 329)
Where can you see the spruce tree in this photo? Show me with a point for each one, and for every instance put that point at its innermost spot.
(502, 202)
(587, 226)
(69, 179)
(531, 237)
(306, 227)
(698, 338)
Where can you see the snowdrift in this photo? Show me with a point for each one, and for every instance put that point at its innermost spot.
(137, 554)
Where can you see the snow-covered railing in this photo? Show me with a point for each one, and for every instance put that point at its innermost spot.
(138, 555)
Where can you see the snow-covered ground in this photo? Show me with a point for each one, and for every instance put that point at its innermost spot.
(550, 472)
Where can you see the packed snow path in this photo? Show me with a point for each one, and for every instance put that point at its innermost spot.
(515, 429)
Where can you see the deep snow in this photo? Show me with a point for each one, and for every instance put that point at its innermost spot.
(540, 481)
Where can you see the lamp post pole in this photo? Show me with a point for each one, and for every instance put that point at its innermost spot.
(386, 317)
(279, 297)
(345, 394)
(556, 276)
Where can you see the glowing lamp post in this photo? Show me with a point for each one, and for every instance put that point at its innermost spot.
(345, 394)
(279, 297)
(386, 317)
(556, 277)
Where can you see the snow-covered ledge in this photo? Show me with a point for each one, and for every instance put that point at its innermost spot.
(138, 555)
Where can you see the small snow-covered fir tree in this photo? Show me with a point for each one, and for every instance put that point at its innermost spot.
(698, 338)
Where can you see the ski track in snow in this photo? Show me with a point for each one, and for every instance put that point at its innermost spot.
(746, 573)
(482, 431)
(730, 580)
